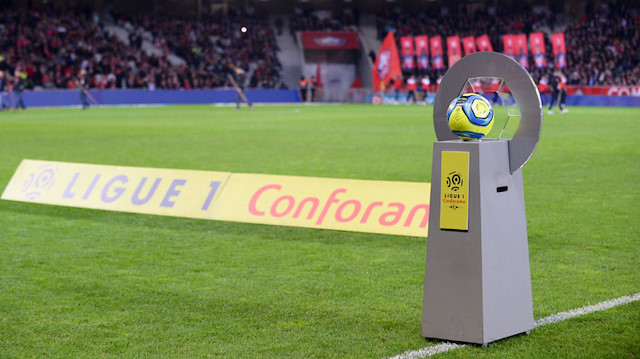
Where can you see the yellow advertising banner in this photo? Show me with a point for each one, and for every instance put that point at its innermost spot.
(399, 208)
(342, 204)
(454, 201)
(166, 192)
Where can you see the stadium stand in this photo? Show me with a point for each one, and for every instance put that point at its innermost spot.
(51, 47)
(603, 46)
(214, 44)
(304, 20)
(170, 52)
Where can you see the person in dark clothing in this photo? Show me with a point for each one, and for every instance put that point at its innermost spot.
(553, 87)
(3, 92)
(557, 84)
(83, 85)
(397, 86)
(19, 89)
(312, 87)
(372, 55)
(238, 78)
(304, 87)
(412, 86)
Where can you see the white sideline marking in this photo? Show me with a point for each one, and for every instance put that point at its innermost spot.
(608, 304)
(428, 351)
(554, 318)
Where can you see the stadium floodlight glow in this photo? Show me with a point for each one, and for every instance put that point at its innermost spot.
(477, 276)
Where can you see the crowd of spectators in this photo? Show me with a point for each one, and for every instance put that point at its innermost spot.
(51, 48)
(493, 23)
(438, 22)
(213, 45)
(603, 47)
(304, 20)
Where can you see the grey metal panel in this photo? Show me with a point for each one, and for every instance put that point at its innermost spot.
(506, 279)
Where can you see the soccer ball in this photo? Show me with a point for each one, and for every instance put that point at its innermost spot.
(470, 116)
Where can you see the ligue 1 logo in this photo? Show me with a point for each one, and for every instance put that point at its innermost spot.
(39, 182)
(454, 181)
(384, 63)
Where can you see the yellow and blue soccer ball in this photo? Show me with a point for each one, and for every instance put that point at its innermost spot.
(470, 116)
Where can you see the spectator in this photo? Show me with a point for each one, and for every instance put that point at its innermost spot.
(82, 84)
(3, 92)
(19, 81)
(312, 88)
(397, 86)
(412, 85)
(304, 87)
(558, 83)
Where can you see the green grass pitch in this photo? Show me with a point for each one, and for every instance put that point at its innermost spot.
(77, 283)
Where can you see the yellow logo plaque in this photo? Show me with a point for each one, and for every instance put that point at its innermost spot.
(454, 198)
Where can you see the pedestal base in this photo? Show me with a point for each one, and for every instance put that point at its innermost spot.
(478, 282)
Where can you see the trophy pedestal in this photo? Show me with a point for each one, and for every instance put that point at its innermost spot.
(477, 281)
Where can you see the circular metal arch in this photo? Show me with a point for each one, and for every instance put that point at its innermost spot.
(521, 85)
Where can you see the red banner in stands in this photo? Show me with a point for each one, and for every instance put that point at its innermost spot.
(469, 45)
(387, 64)
(483, 43)
(536, 40)
(559, 50)
(422, 51)
(437, 53)
(453, 49)
(522, 50)
(406, 45)
(330, 40)
(508, 44)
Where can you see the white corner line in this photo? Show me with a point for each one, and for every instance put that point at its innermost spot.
(554, 318)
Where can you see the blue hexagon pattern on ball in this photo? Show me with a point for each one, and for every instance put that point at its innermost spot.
(470, 116)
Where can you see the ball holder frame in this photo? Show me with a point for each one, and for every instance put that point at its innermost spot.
(477, 277)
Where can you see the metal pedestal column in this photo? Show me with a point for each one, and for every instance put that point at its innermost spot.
(478, 282)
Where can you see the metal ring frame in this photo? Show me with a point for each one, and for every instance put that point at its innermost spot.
(521, 85)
